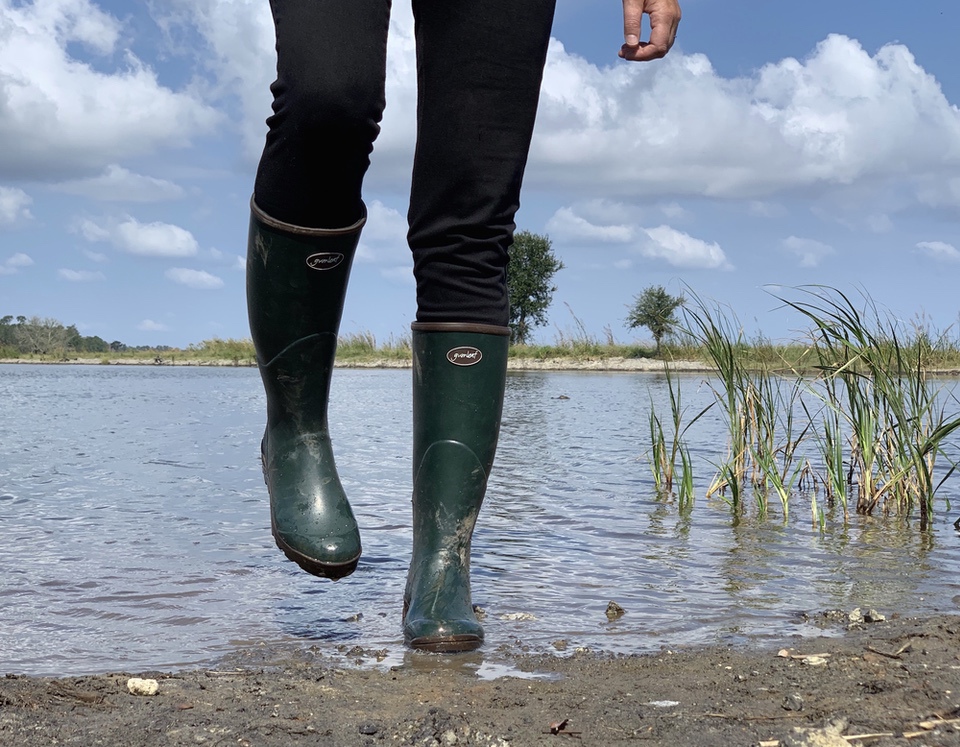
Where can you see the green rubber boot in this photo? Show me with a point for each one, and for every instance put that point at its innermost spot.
(459, 372)
(296, 283)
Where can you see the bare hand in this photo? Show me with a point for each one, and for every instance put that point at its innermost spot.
(664, 19)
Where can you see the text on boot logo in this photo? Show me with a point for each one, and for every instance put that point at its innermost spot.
(324, 260)
(465, 355)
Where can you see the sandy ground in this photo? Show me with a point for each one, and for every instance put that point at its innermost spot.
(895, 682)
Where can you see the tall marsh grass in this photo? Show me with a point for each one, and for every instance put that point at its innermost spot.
(854, 412)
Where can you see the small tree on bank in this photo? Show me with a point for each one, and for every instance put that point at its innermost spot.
(529, 275)
(656, 310)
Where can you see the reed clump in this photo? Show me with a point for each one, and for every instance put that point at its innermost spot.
(855, 412)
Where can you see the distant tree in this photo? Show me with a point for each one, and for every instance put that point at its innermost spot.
(93, 344)
(6, 330)
(44, 336)
(117, 346)
(529, 274)
(656, 310)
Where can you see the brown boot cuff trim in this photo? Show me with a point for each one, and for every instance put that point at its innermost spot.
(279, 225)
(481, 329)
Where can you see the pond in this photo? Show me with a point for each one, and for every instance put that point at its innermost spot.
(135, 527)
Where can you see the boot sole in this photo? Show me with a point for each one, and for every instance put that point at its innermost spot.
(452, 645)
(333, 571)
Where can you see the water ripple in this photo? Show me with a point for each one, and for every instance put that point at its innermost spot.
(136, 529)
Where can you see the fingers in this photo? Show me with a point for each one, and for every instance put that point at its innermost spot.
(664, 20)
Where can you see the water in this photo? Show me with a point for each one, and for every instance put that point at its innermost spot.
(134, 527)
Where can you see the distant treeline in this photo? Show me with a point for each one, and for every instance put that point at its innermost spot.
(35, 336)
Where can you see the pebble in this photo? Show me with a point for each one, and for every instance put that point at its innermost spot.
(138, 686)
(614, 610)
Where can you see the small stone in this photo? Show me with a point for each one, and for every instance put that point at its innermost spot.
(518, 616)
(560, 644)
(138, 686)
(369, 728)
(855, 616)
(814, 661)
(793, 703)
(449, 737)
(872, 616)
(614, 610)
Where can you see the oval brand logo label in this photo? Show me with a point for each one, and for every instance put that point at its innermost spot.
(465, 355)
(324, 260)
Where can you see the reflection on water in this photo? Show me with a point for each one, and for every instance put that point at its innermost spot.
(136, 532)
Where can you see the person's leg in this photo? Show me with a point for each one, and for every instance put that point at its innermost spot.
(480, 64)
(328, 102)
(305, 224)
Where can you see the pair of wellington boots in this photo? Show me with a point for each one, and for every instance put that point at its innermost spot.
(296, 283)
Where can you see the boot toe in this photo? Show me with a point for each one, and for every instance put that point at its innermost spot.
(443, 636)
(329, 557)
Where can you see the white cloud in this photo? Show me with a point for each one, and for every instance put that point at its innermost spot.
(12, 265)
(810, 252)
(939, 250)
(117, 184)
(19, 260)
(838, 117)
(94, 256)
(241, 38)
(143, 239)
(384, 237)
(608, 223)
(570, 226)
(68, 116)
(79, 276)
(197, 279)
(682, 250)
(13, 204)
(148, 325)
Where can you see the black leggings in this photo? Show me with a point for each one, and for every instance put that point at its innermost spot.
(479, 67)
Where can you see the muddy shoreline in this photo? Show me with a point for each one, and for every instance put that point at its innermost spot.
(895, 682)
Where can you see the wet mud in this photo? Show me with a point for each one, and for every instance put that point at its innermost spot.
(892, 682)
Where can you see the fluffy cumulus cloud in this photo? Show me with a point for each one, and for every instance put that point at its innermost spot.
(117, 184)
(143, 239)
(79, 276)
(73, 100)
(13, 205)
(616, 224)
(839, 117)
(13, 264)
(197, 279)
(573, 227)
(682, 250)
(808, 251)
(939, 250)
(240, 40)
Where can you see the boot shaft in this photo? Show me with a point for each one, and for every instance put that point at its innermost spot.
(296, 281)
(459, 374)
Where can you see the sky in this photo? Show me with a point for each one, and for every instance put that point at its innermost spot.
(778, 145)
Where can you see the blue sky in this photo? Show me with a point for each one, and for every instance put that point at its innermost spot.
(779, 144)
